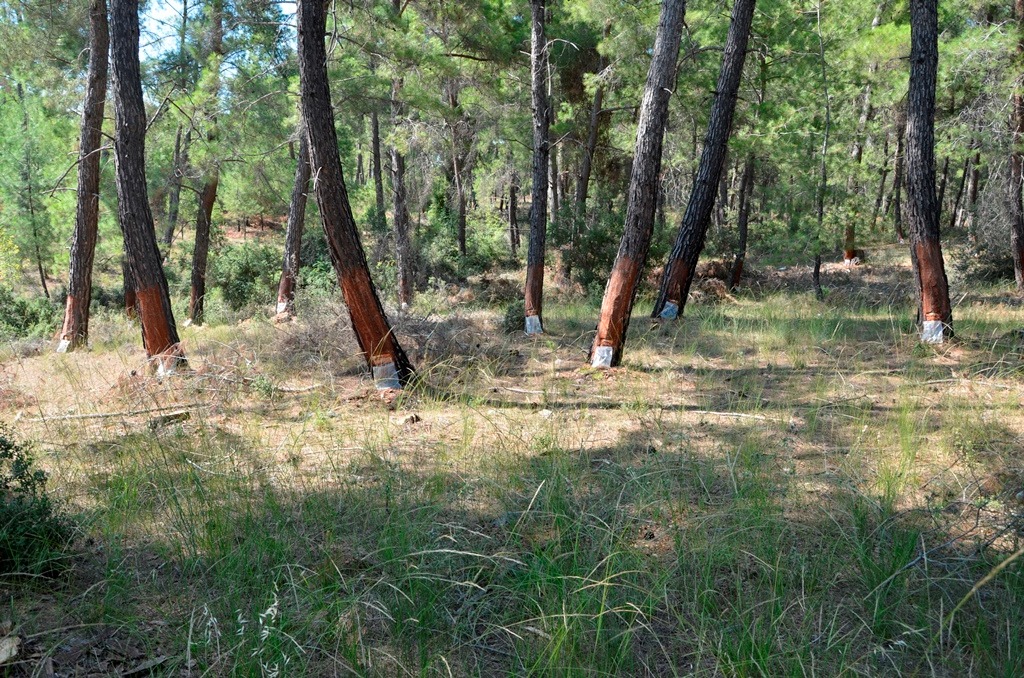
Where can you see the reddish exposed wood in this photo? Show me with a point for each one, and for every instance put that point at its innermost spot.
(689, 240)
(143, 258)
(613, 322)
(373, 333)
(75, 329)
(922, 207)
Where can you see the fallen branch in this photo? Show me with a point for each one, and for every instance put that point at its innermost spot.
(111, 415)
(738, 415)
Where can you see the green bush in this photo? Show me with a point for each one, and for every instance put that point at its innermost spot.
(247, 274)
(34, 533)
(22, 318)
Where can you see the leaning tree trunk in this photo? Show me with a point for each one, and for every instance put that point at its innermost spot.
(682, 262)
(293, 232)
(387, 361)
(159, 334)
(75, 331)
(401, 222)
(208, 196)
(534, 293)
(1017, 159)
(742, 219)
(922, 209)
(620, 293)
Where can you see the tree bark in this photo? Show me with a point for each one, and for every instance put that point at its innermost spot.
(1017, 158)
(620, 293)
(534, 292)
(960, 193)
(293, 232)
(385, 357)
(590, 148)
(28, 198)
(922, 209)
(159, 334)
(897, 179)
(177, 179)
(75, 331)
(513, 213)
(378, 177)
(742, 219)
(883, 173)
(682, 262)
(401, 221)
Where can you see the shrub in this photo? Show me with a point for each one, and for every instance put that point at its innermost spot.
(247, 274)
(22, 318)
(34, 533)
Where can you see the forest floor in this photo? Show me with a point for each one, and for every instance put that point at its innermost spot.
(772, 486)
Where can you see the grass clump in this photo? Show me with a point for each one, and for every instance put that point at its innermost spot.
(34, 532)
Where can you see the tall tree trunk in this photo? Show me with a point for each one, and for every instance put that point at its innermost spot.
(177, 179)
(293, 232)
(385, 357)
(208, 196)
(682, 262)
(28, 198)
(823, 167)
(513, 216)
(942, 185)
(960, 193)
(897, 178)
(922, 211)
(620, 293)
(534, 292)
(883, 173)
(378, 177)
(593, 129)
(159, 334)
(1017, 158)
(401, 222)
(742, 219)
(75, 331)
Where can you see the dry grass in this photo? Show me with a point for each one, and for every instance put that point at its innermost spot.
(772, 486)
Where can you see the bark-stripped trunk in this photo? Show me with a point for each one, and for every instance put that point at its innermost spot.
(385, 357)
(75, 331)
(208, 196)
(403, 242)
(378, 178)
(159, 334)
(620, 293)
(935, 312)
(534, 292)
(682, 262)
(742, 219)
(1017, 159)
(293, 232)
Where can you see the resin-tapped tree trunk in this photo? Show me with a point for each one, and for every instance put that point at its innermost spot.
(682, 262)
(742, 220)
(208, 196)
(75, 331)
(935, 312)
(293, 232)
(534, 293)
(387, 361)
(401, 221)
(620, 292)
(1017, 157)
(159, 334)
